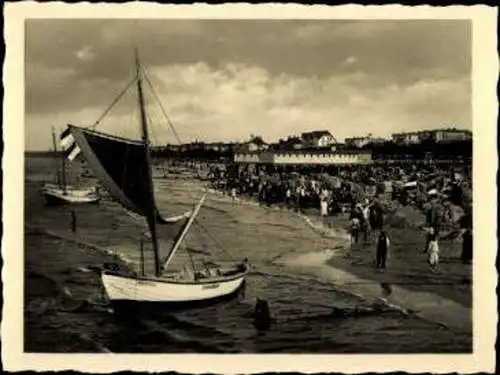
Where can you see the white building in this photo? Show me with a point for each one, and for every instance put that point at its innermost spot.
(304, 157)
(318, 138)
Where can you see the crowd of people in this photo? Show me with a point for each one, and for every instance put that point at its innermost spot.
(368, 194)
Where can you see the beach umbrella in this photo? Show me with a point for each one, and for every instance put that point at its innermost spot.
(432, 192)
(410, 185)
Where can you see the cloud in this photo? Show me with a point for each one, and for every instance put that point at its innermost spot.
(227, 79)
(85, 54)
(237, 100)
(350, 60)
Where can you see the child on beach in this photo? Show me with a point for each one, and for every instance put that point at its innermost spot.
(354, 230)
(433, 250)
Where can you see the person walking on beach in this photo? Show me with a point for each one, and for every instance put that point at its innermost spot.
(233, 195)
(288, 196)
(366, 223)
(324, 207)
(383, 244)
(355, 229)
(376, 216)
(433, 250)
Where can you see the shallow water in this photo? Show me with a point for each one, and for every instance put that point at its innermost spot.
(300, 299)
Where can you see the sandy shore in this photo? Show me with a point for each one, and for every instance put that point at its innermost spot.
(444, 297)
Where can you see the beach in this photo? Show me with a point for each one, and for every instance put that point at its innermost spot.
(318, 291)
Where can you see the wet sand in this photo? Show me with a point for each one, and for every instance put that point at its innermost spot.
(444, 297)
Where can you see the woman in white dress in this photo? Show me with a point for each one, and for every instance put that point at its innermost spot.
(433, 250)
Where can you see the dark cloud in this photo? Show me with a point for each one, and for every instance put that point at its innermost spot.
(396, 48)
(76, 64)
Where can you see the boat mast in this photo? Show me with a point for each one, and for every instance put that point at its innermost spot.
(62, 178)
(63, 173)
(54, 142)
(151, 214)
(166, 262)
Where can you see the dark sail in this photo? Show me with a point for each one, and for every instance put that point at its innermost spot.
(121, 165)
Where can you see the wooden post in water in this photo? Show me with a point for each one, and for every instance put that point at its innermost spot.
(73, 221)
(262, 315)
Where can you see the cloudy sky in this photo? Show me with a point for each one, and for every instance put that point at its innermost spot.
(224, 80)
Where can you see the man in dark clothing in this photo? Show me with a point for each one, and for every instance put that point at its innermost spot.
(467, 247)
(382, 250)
(434, 217)
(354, 230)
(376, 216)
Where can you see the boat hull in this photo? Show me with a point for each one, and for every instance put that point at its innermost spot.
(131, 310)
(128, 294)
(57, 196)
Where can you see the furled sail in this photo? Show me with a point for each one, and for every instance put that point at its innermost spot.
(121, 164)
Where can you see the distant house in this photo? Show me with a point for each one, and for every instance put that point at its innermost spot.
(168, 148)
(406, 138)
(305, 157)
(359, 142)
(217, 146)
(254, 144)
(194, 146)
(451, 135)
(174, 148)
(438, 135)
(378, 141)
(318, 139)
(290, 143)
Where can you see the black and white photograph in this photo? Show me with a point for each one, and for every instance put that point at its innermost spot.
(269, 185)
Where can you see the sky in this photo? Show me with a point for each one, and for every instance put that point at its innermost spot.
(224, 80)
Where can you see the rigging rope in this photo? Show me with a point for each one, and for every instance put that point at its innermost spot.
(164, 112)
(191, 258)
(93, 126)
(163, 169)
(199, 225)
(180, 142)
(146, 75)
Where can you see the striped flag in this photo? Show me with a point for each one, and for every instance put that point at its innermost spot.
(68, 144)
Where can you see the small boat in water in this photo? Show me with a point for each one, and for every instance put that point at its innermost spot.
(57, 194)
(125, 169)
(61, 192)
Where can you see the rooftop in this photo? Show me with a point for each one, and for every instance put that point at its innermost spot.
(316, 133)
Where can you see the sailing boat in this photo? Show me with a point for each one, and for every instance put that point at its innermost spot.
(61, 192)
(124, 167)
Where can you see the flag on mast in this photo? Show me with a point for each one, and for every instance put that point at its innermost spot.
(68, 144)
